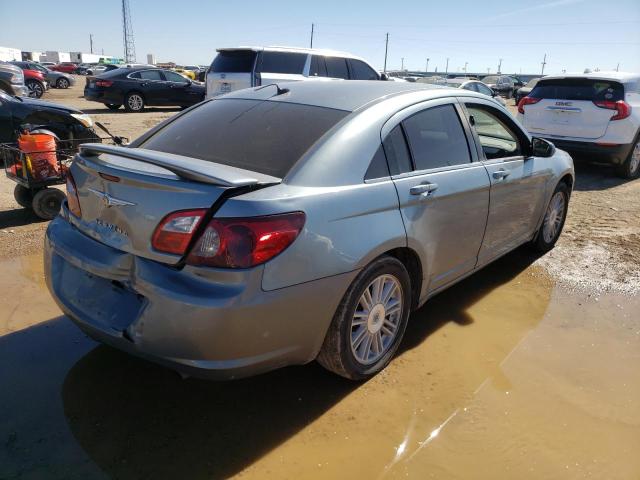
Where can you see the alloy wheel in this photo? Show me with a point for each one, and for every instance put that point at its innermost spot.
(554, 217)
(135, 102)
(63, 83)
(376, 319)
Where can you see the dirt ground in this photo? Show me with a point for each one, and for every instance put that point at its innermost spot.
(528, 369)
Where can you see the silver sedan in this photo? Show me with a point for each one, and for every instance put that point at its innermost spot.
(287, 223)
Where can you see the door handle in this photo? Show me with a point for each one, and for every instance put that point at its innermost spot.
(424, 189)
(500, 174)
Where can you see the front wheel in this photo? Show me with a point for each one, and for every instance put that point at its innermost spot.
(47, 202)
(36, 89)
(630, 169)
(554, 219)
(62, 83)
(134, 102)
(370, 321)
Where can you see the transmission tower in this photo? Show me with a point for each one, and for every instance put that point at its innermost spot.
(127, 30)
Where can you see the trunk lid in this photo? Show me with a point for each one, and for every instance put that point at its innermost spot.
(124, 193)
(566, 107)
(231, 70)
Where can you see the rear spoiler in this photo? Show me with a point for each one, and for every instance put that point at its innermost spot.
(188, 168)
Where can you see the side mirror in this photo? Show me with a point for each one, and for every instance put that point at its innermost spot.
(384, 76)
(542, 148)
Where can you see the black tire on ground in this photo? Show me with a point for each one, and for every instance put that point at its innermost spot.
(630, 169)
(46, 203)
(62, 83)
(36, 89)
(543, 242)
(23, 196)
(134, 102)
(112, 106)
(336, 353)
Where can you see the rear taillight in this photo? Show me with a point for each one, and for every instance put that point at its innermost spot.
(526, 101)
(104, 83)
(72, 196)
(245, 242)
(622, 107)
(173, 234)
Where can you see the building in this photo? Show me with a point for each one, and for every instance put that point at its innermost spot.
(31, 56)
(55, 57)
(8, 54)
(151, 59)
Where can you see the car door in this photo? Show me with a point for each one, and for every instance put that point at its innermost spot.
(153, 86)
(178, 92)
(443, 189)
(518, 181)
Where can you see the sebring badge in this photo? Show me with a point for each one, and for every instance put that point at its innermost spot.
(108, 200)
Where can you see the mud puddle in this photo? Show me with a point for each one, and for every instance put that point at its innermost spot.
(503, 376)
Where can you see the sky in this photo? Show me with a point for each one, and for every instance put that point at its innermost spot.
(574, 34)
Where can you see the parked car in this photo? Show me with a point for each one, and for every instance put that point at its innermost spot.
(35, 82)
(474, 86)
(55, 79)
(66, 67)
(225, 258)
(138, 87)
(47, 64)
(12, 80)
(83, 67)
(517, 83)
(501, 84)
(190, 74)
(594, 115)
(526, 90)
(243, 67)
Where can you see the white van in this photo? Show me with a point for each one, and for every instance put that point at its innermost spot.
(244, 67)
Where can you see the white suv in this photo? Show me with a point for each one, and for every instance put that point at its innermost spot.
(244, 67)
(595, 114)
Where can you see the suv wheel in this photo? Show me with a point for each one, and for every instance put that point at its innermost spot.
(134, 102)
(553, 221)
(630, 169)
(36, 89)
(62, 83)
(370, 321)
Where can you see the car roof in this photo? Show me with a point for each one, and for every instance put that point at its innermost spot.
(348, 95)
(622, 77)
(276, 48)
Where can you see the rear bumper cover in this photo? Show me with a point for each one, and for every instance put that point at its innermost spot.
(201, 322)
(612, 153)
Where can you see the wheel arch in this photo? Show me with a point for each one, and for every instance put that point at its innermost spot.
(411, 261)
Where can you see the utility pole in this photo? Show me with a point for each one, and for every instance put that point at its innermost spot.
(402, 67)
(446, 69)
(386, 50)
(618, 67)
(427, 69)
(488, 70)
(91, 42)
(312, 25)
(499, 67)
(544, 62)
(465, 67)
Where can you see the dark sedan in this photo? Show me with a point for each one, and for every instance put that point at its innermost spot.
(136, 88)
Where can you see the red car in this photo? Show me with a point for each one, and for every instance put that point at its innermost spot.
(35, 82)
(66, 67)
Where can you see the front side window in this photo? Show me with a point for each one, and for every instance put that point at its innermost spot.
(337, 67)
(174, 77)
(362, 71)
(436, 138)
(497, 138)
(283, 62)
(151, 75)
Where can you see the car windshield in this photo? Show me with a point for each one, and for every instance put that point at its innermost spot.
(579, 89)
(217, 131)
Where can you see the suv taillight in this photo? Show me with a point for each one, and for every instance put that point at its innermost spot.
(104, 83)
(526, 101)
(622, 107)
(72, 196)
(245, 242)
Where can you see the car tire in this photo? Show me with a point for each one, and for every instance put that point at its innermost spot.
(134, 102)
(553, 221)
(23, 196)
(36, 89)
(46, 203)
(352, 338)
(112, 106)
(630, 169)
(62, 83)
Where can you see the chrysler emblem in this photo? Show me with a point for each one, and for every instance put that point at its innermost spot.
(108, 200)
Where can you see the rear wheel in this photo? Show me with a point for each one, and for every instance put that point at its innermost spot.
(112, 106)
(46, 203)
(36, 89)
(134, 102)
(370, 321)
(553, 221)
(23, 196)
(62, 83)
(630, 169)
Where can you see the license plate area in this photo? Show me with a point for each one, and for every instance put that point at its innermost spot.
(225, 88)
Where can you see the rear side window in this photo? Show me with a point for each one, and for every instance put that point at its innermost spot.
(151, 75)
(318, 68)
(362, 71)
(378, 167)
(233, 61)
(395, 147)
(436, 138)
(337, 67)
(217, 131)
(282, 62)
(578, 89)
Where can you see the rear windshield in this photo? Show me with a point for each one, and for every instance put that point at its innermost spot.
(578, 89)
(233, 61)
(282, 62)
(262, 136)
